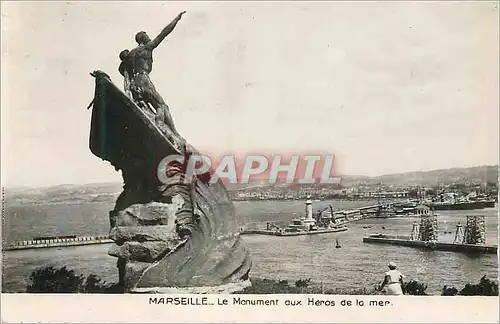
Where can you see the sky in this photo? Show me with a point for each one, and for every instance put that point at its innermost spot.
(387, 87)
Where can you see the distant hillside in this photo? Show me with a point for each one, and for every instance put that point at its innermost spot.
(108, 192)
(63, 194)
(477, 174)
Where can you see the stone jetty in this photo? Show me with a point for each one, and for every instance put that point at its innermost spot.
(56, 242)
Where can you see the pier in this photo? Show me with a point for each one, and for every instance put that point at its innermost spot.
(306, 225)
(283, 233)
(50, 242)
(393, 209)
(430, 245)
(381, 210)
(425, 235)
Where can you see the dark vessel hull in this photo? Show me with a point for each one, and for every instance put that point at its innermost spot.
(469, 205)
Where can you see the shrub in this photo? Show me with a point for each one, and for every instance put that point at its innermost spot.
(50, 280)
(414, 287)
(452, 291)
(302, 283)
(485, 287)
(283, 283)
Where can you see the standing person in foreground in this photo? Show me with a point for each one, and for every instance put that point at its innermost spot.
(393, 280)
(141, 59)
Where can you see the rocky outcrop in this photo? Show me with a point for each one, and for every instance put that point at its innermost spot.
(177, 237)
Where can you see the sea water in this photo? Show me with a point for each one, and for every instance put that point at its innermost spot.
(354, 265)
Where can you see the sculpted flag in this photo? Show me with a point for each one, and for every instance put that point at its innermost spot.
(166, 235)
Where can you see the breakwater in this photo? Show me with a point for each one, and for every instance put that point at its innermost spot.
(430, 245)
(283, 233)
(49, 242)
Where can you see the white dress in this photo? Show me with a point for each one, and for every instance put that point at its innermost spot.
(394, 284)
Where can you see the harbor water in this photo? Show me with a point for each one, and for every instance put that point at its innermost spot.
(354, 265)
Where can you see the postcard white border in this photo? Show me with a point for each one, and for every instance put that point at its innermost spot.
(45, 308)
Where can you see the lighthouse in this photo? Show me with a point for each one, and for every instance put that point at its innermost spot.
(307, 223)
(309, 208)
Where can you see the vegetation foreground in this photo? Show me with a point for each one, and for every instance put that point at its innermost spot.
(63, 280)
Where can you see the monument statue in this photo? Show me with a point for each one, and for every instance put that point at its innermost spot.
(136, 66)
(168, 237)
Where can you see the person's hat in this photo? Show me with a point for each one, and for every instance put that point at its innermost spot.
(391, 265)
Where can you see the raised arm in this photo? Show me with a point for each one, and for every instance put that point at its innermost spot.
(167, 30)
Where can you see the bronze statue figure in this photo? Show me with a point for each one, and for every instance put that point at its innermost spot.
(126, 71)
(136, 66)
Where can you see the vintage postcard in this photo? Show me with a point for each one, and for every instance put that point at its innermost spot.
(250, 161)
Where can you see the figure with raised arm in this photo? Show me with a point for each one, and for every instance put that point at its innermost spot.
(140, 61)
